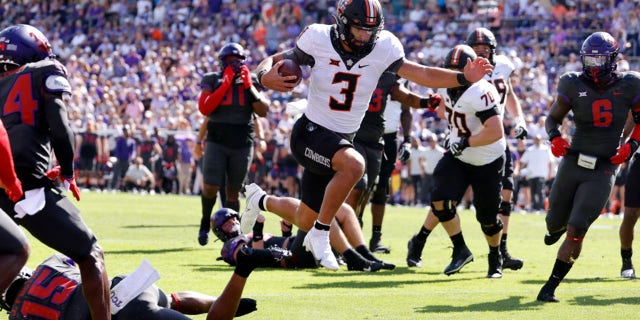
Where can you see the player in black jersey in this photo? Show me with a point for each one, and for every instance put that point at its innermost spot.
(229, 100)
(54, 288)
(370, 144)
(33, 88)
(600, 99)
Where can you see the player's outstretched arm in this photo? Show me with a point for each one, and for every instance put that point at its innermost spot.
(434, 77)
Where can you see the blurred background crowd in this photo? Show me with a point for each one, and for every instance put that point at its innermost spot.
(135, 67)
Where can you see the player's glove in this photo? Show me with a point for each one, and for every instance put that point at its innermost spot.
(404, 152)
(14, 191)
(431, 102)
(69, 182)
(445, 142)
(227, 76)
(625, 151)
(457, 147)
(559, 146)
(520, 132)
(245, 73)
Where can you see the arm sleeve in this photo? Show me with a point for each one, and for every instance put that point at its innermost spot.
(7, 173)
(62, 138)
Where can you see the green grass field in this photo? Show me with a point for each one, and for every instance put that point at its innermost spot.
(163, 229)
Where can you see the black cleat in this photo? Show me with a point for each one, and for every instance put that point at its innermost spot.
(495, 265)
(383, 265)
(459, 259)
(553, 237)
(508, 262)
(376, 246)
(203, 237)
(414, 255)
(364, 265)
(547, 294)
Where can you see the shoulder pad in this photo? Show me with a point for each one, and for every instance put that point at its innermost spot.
(209, 80)
(56, 83)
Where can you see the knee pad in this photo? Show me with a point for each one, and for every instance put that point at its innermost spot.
(446, 214)
(380, 195)
(492, 229)
(505, 208)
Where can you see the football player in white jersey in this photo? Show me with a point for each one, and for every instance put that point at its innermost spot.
(475, 158)
(346, 60)
(484, 43)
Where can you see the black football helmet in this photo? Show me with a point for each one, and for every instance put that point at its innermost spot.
(9, 297)
(483, 36)
(220, 218)
(363, 14)
(598, 55)
(457, 57)
(232, 50)
(21, 44)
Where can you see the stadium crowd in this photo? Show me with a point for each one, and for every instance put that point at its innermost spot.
(135, 67)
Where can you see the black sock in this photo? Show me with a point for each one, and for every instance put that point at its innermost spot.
(423, 234)
(365, 253)
(351, 256)
(494, 250)
(321, 226)
(560, 270)
(376, 229)
(626, 254)
(458, 240)
(207, 207)
(503, 242)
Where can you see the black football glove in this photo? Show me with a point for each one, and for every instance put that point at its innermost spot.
(404, 152)
(457, 147)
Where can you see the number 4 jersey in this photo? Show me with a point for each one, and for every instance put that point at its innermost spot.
(35, 119)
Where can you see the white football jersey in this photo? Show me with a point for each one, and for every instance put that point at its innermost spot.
(340, 91)
(463, 121)
(500, 76)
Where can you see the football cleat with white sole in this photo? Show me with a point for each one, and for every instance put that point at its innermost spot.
(253, 193)
(627, 270)
(317, 241)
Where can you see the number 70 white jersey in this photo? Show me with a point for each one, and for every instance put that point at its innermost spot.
(463, 121)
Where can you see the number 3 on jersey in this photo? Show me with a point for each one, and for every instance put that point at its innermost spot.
(20, 99)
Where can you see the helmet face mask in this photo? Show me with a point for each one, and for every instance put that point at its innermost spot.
(232, 55)
(8, 297)
(483, 37)
(598, 55)
(220, 226)
(359, 16)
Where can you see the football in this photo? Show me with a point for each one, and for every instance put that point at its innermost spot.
(290, 68)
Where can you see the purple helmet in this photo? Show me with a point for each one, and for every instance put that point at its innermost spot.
(598, 55)
(21, 44)
(232, 50)
(230, 246)
(220, 218)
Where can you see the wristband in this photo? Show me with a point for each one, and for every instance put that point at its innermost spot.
(553, 133)
(462, 79)
(424, 103)
(257, 231)
(259, 75)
